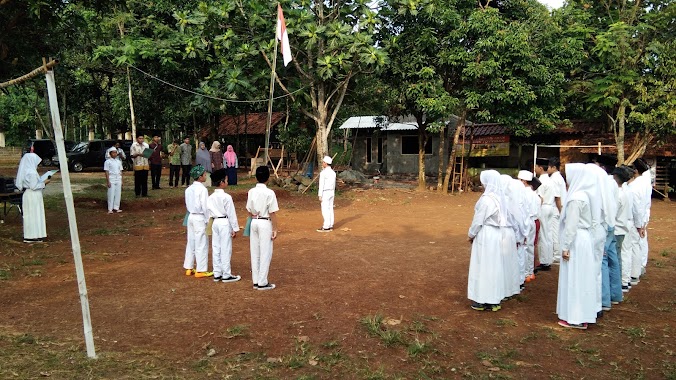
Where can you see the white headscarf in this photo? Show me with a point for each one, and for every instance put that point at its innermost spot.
(28, 171)
(608, 202)
(513, 200)
(579, 186)
(490, 179)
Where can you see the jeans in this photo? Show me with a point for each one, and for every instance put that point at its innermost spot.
(611, 288)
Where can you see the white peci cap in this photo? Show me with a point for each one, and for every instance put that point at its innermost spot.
(525, 175)
(328, 160)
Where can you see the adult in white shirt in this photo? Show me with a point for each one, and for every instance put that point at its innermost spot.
(559, 198)
(548, 215)
(261, 204)
(113, 169)
(327, 193)
(646, 183)
(197, 248)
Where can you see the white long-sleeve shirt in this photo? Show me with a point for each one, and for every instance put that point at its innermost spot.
(636, 194)
(559, 186)
(220, 204)
(196, 197)
(261, 201)
(623, 219)
(578, 216)
(486, 213)
(547, 190)
(327, 182)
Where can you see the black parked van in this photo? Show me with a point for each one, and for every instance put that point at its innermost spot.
(93, 154)
(45, 148)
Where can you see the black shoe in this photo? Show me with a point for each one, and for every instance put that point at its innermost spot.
(625, 289)
(599, 314)
(478, 306)
(545, 268)
(231, 278)
(255, 286)
(324, 229)
(266, 287)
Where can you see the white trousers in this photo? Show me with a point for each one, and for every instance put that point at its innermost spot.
(327, 209)
(114, 195)
(221, 247)
(197, 248)
(521, 257)
(556, 223)
(643, 244)
(530, 251)
(260, 243)
(545, 240)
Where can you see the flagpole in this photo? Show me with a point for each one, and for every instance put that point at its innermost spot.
(272, 92)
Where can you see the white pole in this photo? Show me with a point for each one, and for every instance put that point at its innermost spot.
(599, 148)
(272, 93)
(70, 208)
(535, 157)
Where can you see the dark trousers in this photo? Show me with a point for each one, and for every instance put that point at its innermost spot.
(174, 174)
(141, 183)
(155, 174)
(185, 175)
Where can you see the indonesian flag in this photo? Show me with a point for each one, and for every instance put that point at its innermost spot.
(283, 36)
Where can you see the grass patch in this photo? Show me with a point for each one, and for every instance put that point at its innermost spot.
(505, 322)
(635, 333)
(665, 253)
(31, 262)
(417, 348)
(418, 327)
(528, 337)
(110, 231)
(376, 328)
(330, 345)
(500, 359)
(5, 274)
(235, 331)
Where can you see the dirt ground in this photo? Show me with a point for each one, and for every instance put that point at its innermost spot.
(381, 297)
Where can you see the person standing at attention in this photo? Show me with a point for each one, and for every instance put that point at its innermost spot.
(261, 205)
(327, 192)
(230, 162)
(547, 217)
(156, 161)
(216, 156)
(203, 157)
(486, 279)
(174, 163)
(28, 180)
(197, 248)
(120, 152)
(141, 166)
(576, 304)
(559, 198)
(186, 161)
(113, 169)
(224, 228)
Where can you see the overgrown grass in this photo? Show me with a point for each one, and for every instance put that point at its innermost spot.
(236, 331)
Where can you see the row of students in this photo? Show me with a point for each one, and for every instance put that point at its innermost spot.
(261, 207)
(600, 208)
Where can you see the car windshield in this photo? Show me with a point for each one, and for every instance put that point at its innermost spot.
(79, 147)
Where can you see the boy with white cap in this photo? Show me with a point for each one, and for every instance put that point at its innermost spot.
(224, 228)
(197, 248)
(327, 192)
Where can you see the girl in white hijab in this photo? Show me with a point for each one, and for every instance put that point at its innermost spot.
(28, 180)
(486, 280)
(512, 201)
(600, 206)
(576, 303)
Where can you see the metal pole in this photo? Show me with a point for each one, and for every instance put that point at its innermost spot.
(535, 157)
(272, 93)
(70, 208)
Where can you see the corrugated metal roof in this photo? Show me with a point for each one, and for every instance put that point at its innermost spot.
(359, 122)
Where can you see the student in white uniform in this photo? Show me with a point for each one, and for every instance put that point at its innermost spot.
(622, 225)
(327, 193)
(261, 205)
(197, 248)
(532, 206)
(113, 169)
(576, 304)
(600, 201)
(28, 180)
(632, 242)
(486, 280)
(547, 216)
(514, 194)
(559, 197)
(646, 181)
(224, 228)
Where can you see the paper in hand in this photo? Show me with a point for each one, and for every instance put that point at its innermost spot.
(48, 175)
(147, 152)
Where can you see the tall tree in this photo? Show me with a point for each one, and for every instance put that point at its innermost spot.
(630, 75)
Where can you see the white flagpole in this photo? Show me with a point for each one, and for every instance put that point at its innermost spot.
(70, 208)
(272, 93)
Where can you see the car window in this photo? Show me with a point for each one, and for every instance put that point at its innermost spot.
(80, 147)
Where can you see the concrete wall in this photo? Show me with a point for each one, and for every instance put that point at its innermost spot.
(393, 162)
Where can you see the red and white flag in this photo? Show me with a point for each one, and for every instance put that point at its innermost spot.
(283, 36)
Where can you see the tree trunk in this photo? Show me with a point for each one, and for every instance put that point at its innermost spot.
(422, 141)
(640, 144)
(322, 144)
(131, 106)
(440, 172)
(619, 125)
(451, 160)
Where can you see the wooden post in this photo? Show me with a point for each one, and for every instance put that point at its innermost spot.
(70, 208)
